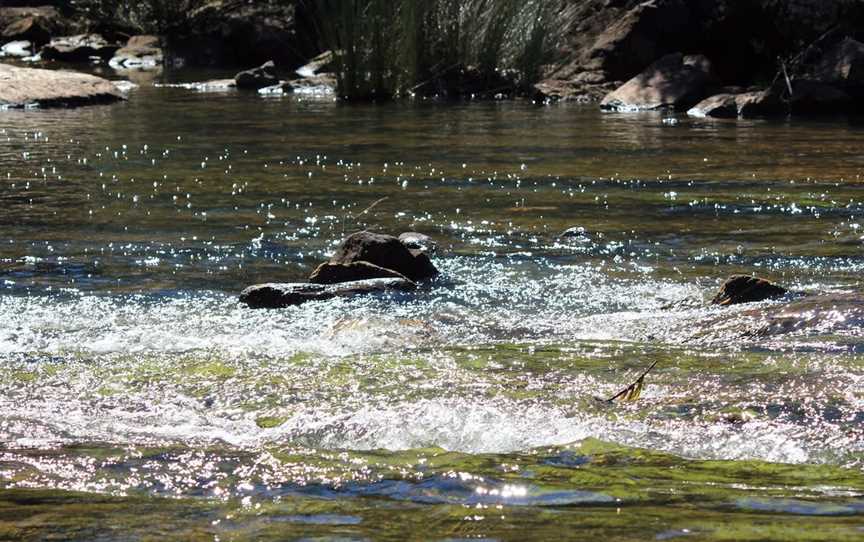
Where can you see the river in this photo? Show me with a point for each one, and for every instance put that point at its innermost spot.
(139, 399)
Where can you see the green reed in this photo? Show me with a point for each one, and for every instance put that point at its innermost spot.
(391, 48)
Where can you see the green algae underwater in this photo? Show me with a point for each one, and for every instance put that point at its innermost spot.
(140, 401)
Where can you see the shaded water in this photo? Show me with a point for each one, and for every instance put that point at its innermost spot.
(135, 388)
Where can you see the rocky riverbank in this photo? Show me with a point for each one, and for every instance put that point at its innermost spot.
(710, 58)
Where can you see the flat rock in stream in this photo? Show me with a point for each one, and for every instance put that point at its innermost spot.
(22, 87)
(746, 289)
(276, 295)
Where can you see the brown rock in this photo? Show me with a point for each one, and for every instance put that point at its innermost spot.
(140, 52)
(53, 88)
(746, 289)
(34, 24)
(275, 296)
(674, 81)
(385, 251)
(334, 273)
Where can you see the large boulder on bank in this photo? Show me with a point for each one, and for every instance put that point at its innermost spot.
(673, 82)
(334, 273)
(139, 53)
(275, 296)
(80, 48)
(840, 65)
(260, 77)
(746, 289)
(33, 24)
(385, 251)
(21, 87)
(228, 32)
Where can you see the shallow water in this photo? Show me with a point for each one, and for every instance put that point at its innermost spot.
(135, 388)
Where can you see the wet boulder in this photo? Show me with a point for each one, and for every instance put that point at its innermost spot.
(139, 53)
(418, 241)
(385, 251)
(746, 289)
(17, 49)
(257, 78)
(334, 273)
(672, 82)
(80, 48)
(20, 87)
(275, 296)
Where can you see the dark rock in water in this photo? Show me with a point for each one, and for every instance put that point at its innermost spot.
(21, 87)
(746, 289)
(334, 273)
(418, 241)
(675, 81)
(139, 53)
(385, 251)
(816, 97)
(260, 77)
(80, 48)
(275, 296)
(760, 103)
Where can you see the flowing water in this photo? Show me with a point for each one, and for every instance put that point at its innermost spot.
(139, 400)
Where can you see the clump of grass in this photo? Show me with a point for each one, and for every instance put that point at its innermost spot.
(390, 48)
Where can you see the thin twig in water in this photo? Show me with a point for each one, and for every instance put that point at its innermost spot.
(632, 392)
(367, 209)
(363, 212)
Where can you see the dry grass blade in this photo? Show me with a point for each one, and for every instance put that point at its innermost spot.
(634, 390)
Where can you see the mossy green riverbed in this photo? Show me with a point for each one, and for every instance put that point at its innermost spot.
(140, 401)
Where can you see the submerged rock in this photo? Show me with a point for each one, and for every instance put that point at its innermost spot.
(256, 78)
(334, 273)
(385, 251)
(274, 296)
(746, 289)
(675, 81)
(20, 87)
(80, 48)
